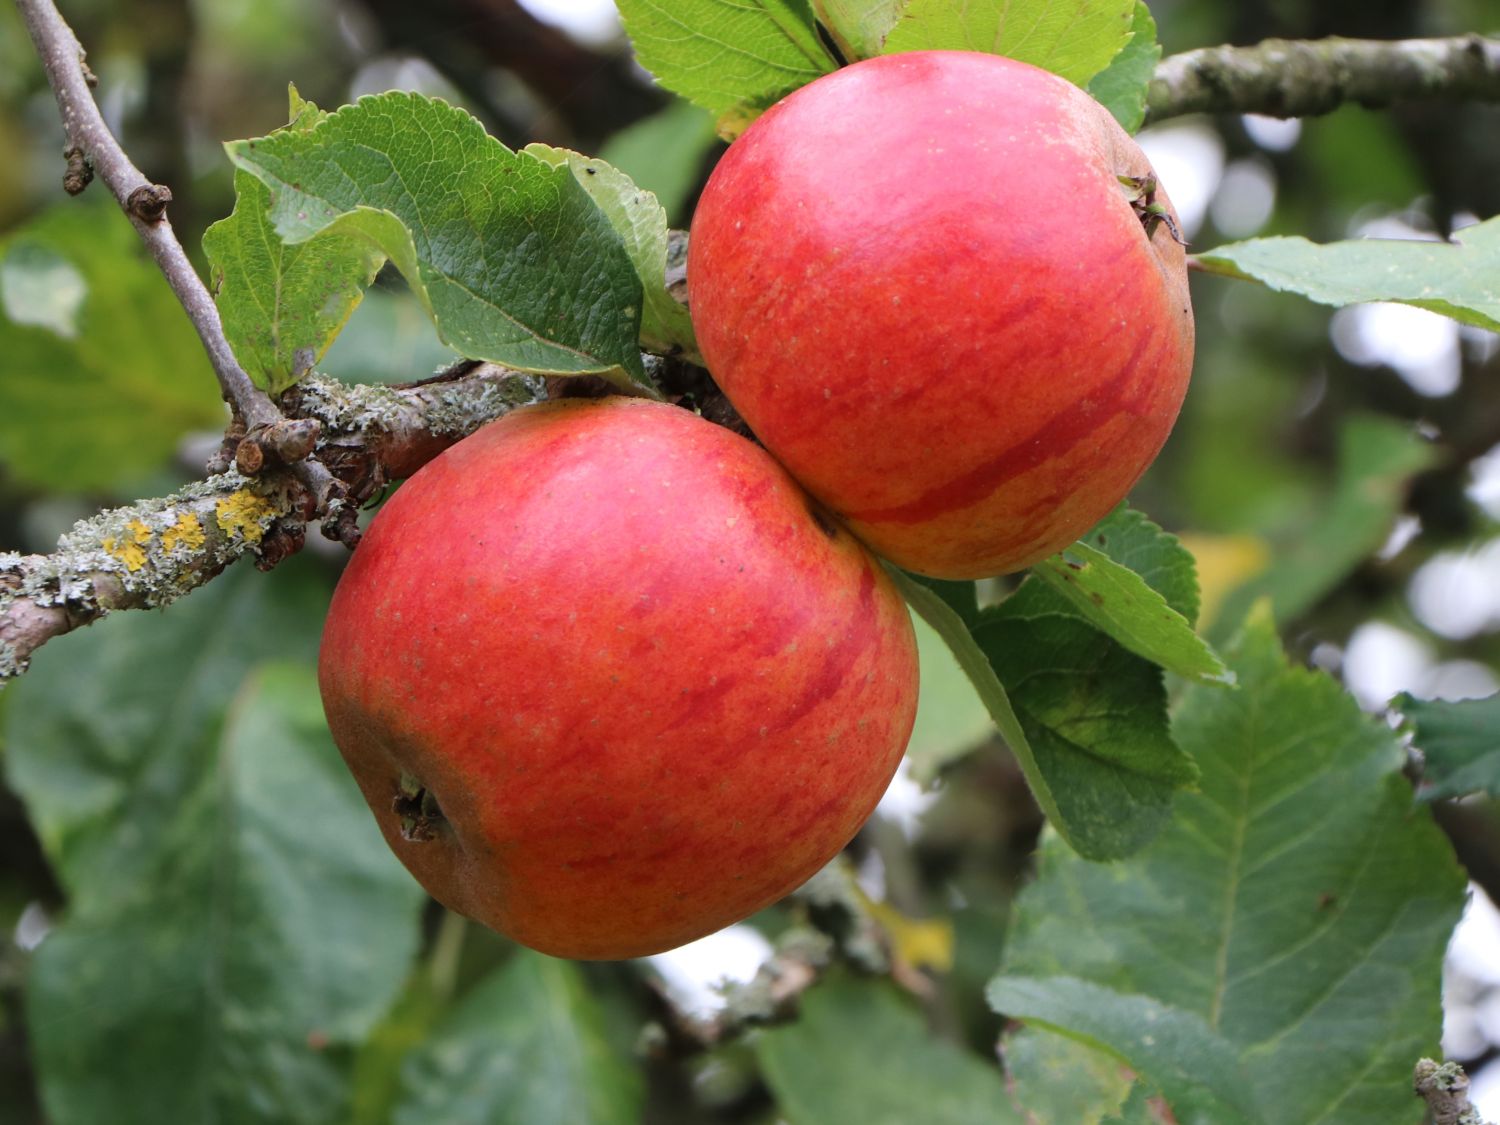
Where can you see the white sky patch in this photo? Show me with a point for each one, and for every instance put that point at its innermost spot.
(1189, 160)
(905, 801)
(1484, 481)
(1456, 594)
(595, 22)
(693, 971)
(1421, 346)
(1381, 660)
(1245, 199)
(1272, 133)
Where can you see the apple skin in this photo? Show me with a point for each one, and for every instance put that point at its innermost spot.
(648, 687)
(921, 283)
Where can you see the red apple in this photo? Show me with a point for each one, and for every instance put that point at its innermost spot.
(923, 283)
(609, 682)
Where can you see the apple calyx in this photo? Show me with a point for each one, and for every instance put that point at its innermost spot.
(1151, 213)
(419, 811)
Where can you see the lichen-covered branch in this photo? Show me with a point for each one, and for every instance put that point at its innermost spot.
(140, 556)
(150, 553)
(1303, 78)
(1445, 1089)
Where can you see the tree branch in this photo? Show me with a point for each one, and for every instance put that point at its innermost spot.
(92, 149)
(1303, 78)
(151, 553)
(1445, 1089)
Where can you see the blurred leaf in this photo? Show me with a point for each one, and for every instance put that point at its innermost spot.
(860, 1053)
(389, 339)
(1122, 85)
(101, 373)
(951, 718)
(1102, 807)
(526, 1046)
(39, 287)
(270, 924)
(1197, 1069)
(376, 1077)
(512, 259)
(729, 56)
(1342, 147)
(1377, 457)
(1073, 38)
(234, 918)
(1117, 602)
(282, 305)
(665, 154)
(642, 225)
(1293, 915)
(1460, 743)
(859, 27)
(1460, 279)
(1225, 562)
(1054, 1078)
(1140, 1110)
(115, 727)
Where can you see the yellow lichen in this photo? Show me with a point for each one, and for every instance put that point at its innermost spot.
(239, 514)
(186, 532)
(129, 550)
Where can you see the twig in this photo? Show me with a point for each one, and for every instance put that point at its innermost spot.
(151, 553)
(1303, 78)
(1445, 1089)
(92, 150)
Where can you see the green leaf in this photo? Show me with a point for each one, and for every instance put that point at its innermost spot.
(1102, 807)
(510, 256)
(951, 719)
(1095, 716)
(860, 1053)
(124, 716)
(282, 305)
(527, 1046)
(642, 225)
(1119, 603)
(1460, 743)
(101, 373)
(1122, 85)
(859, 27)
(1296, 909)
(235, 922)
(665, 154)
(1377, 459)
(951, 627)
(1198, 1070)
(733, 57)
(1460, 279)
(1073, 38)
(1054, 1078)
(255, 918)
(1132, 540)
(404, 1028)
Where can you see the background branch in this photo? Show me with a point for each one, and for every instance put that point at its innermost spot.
(151, 553)
(92, 150)
(1303, 78)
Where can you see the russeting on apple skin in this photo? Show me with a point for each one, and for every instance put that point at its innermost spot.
(609, 682)
(945, 291)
